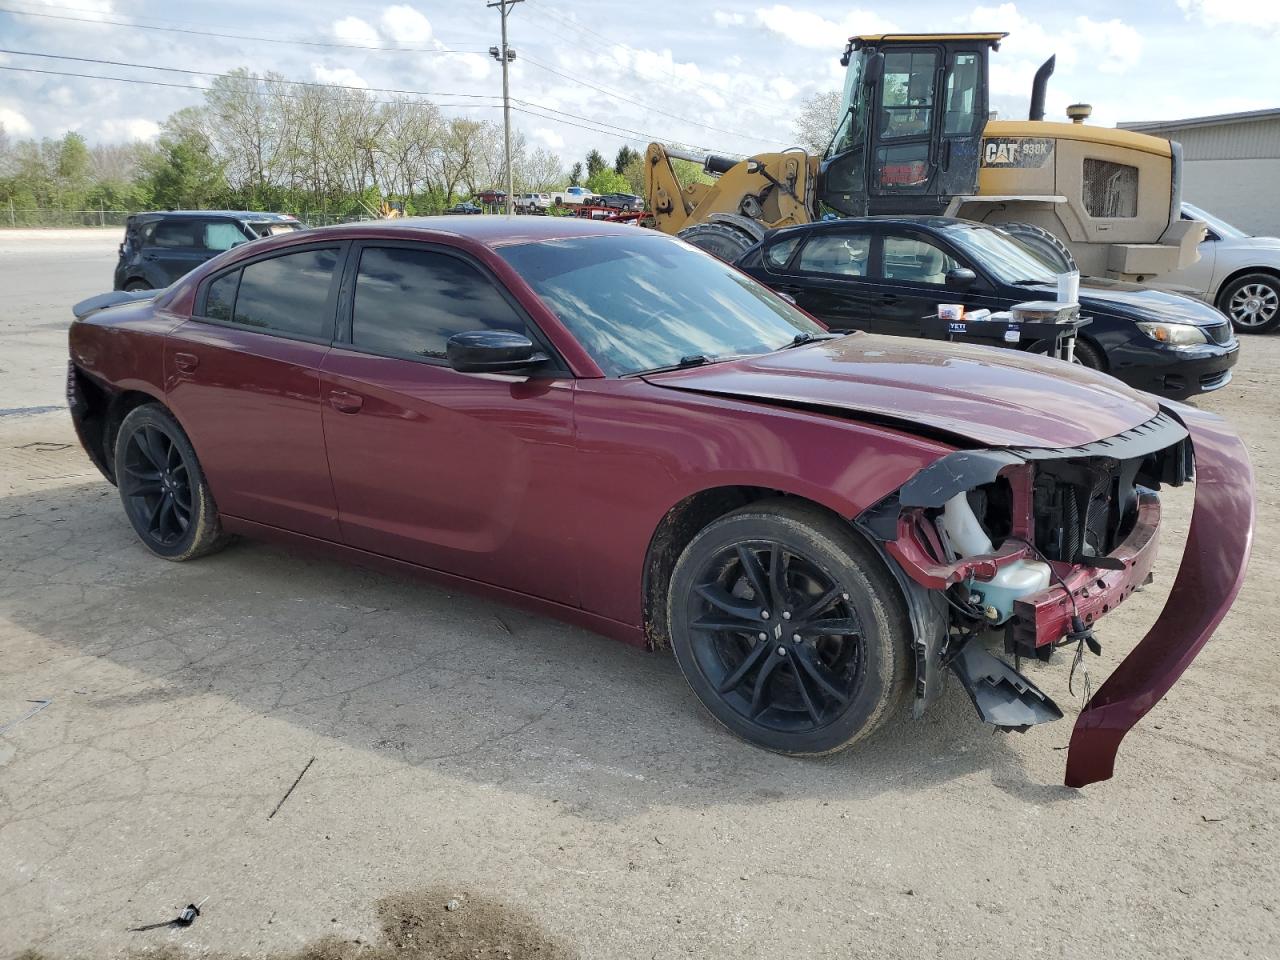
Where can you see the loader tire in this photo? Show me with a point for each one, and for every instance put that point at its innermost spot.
(718, 239)
(1043, 244)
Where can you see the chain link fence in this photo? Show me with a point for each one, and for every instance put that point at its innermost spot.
(14, 216)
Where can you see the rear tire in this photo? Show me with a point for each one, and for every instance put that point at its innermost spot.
(1042, 243)
(718, 239)
(1252, 303)
(789, 629)
(162, 487)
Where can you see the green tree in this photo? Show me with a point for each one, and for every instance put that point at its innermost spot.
(575, 175)
(183, 173)
(624, 159)
(595, 163)
(608, 181)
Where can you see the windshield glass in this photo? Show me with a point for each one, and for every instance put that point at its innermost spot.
(847, 132)
(646, 301)
(270, 228)
(1000, 254)
(1220, 227)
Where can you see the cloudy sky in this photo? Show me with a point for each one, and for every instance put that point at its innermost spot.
(714, 73)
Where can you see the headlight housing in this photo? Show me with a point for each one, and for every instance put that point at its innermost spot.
(1174, 334)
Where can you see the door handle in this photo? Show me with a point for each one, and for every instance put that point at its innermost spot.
(345, 402)
(150, 256)
(186, 362)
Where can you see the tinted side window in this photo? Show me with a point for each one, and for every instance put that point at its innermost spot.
(916, 260)
(178, 233)
(220, 299)
(412, 301)
(288, 294)
(778, 254)
(843, 254)
(222, 235)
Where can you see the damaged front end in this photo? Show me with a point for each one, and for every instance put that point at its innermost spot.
(1041, 543)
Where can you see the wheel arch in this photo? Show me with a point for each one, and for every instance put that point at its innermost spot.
(684, 521)
(1236, 275)
(116, 407)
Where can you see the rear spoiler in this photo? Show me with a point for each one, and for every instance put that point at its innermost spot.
(116, 297)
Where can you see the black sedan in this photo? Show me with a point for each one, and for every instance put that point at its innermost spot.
(884, 274)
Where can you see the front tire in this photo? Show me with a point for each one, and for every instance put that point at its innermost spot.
(1252, 303)
(162, 487)
(1043, 244)
(718, 239)
(789, 629)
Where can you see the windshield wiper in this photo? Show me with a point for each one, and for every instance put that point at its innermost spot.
(800, 339)
(691, 360)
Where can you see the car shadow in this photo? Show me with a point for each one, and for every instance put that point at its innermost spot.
(427, 677)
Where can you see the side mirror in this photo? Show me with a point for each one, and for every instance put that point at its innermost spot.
(961, 278)
(491, 351)
(874, 70)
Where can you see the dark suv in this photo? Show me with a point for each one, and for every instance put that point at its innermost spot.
(160, 247)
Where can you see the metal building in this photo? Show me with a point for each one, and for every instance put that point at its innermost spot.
(1232, 165)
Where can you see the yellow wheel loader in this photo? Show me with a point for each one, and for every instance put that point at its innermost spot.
(914, 138)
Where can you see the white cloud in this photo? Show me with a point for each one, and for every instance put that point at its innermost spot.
(354, 30)
(88, 10)
(343, 76)
(116, 129)
(14, 123)
(1254, 14)
(723, 18)
(809, 29)
(467, 66)
(404, 24)
(549, 137)
(1115, 46)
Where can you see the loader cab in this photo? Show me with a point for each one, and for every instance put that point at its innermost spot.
(913, 113)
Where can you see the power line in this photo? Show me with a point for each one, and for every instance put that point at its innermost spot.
(206, 73)
(192, 86)
(618, 96)
(527, 107)
(231, 36)
(640, 135)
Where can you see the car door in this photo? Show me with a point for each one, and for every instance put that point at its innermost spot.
(176, 247)
(827, 277)
(459, 472)
(911, 280)
(242, 376)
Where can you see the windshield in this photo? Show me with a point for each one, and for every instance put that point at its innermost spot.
(271, 228)
(1001, 255)
(1220, 227)
(846, 134)
(646, 301)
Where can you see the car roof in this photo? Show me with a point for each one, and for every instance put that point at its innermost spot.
(238, 214)
(491, 231)
(909, 220)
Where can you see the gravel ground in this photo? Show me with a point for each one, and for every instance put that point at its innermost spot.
(563, 793)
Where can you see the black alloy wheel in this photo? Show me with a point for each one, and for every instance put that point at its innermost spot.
(775, 634)
(789, 628)
(162, 487)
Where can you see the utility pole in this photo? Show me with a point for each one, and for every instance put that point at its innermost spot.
(505, 55)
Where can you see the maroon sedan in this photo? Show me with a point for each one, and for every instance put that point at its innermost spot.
(619, 430)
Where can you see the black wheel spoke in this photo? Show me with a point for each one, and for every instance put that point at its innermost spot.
(821, 675)
(778, 560)
(749, 661)
(843, 627)
(149, 449)
(754, 573)
(721, 599)
(758, 706)
(821, 605)
(145, 489)
(154, 514)
(803, 687)
(165, 516)
(723, 622)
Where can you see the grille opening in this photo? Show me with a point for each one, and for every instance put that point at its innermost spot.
(1110, 189)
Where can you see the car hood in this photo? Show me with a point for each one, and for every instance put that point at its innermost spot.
(1130, 299)
(986, 395)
